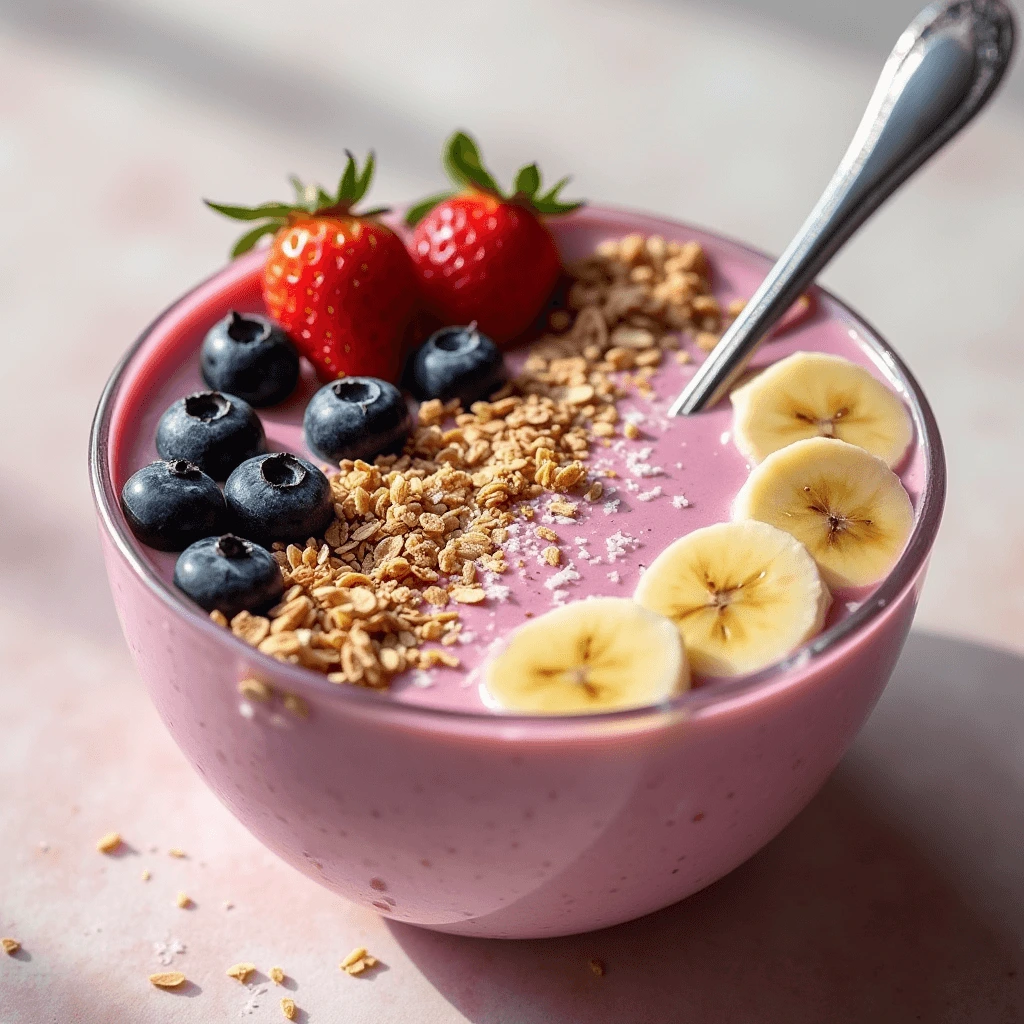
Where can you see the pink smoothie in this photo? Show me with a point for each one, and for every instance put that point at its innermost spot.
(682, 474)
(425, 806)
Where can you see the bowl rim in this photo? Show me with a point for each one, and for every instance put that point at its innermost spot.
(704, 700)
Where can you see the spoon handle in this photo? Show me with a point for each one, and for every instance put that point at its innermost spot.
(941, 72)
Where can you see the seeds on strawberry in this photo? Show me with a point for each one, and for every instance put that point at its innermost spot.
(339, 282)
(482, 254)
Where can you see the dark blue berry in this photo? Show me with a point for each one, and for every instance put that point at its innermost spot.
(279, 497)
(230, 574)
(356, 418)
(213, 430)
(250, 356)
(169, 505)
(456, 362)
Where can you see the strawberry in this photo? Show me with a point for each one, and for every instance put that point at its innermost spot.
(340, 283)
(481, 254)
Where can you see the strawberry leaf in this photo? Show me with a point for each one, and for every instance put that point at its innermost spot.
(464, 166)
(251, 212)
(247, 241)
(310, 201)
(347, 185)
(364, 179)
(549, 203)
(416, 213)
(527, 181)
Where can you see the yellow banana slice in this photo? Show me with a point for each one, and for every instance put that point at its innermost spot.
(603, 654)
(845, 506)
(742, 594)
(810, 394)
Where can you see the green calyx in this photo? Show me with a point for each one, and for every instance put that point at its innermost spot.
(466, 169)
(310, 201)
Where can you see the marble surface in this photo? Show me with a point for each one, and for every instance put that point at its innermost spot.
(898, 895)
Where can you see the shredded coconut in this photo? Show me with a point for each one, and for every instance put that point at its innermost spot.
(566, 575)
(611, 506)
(497, 591)
(681, 501)
(422, 678)
(620, 544)
(654, 492)
(167, 951)
(614, 576)
(637, 464)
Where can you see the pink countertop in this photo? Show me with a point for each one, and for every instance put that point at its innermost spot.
(897, 895)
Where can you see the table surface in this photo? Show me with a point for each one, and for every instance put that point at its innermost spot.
(898, 895)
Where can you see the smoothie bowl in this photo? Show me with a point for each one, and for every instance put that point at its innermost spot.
(434, 718)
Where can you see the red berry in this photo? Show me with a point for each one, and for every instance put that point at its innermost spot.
(344, 289)
(484, 259)
(482, 255)
(340, 283)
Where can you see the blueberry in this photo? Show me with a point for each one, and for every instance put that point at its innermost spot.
(356, 418)
(169, 505)
(279, 497)
(229, 574)
(215, 431)
(456, 362)
(250, 356)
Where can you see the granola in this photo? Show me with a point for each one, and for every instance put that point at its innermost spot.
(412, 531)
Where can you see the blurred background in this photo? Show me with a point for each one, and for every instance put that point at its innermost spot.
(117, 116)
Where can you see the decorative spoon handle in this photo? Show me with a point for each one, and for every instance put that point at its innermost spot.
(941, 72)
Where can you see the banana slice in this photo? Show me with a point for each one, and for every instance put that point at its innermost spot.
(810, 394)
(603, 654)
(742, 594)
(844, 505)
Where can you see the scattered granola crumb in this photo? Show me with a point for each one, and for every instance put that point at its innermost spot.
(184, 901)
(11, 946)
(174, 851)
(551, 555)
(256, 689)
(167, 979)
(219, 618)
(241, 971)
(597, 966)
(288, 1008)
(632, 431)
(109, 843)
(358, 961)
(228, 905)
(146, 876)
(277, 975)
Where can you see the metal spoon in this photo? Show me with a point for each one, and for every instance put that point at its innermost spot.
(941, 72)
